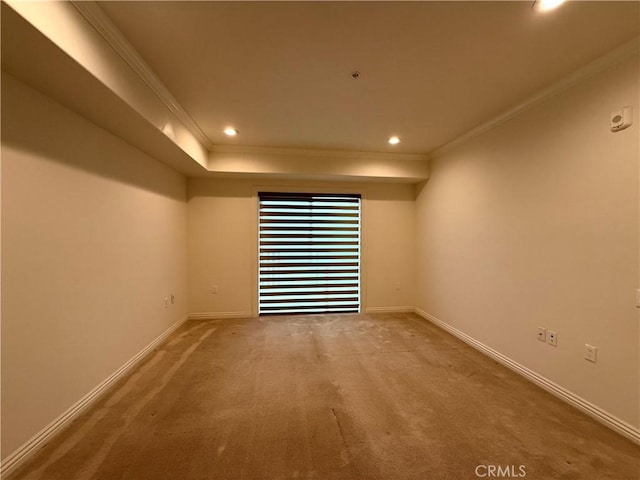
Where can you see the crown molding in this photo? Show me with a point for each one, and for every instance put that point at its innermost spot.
(315, 152)
(618, 55)
(96, 17)
(103, 25)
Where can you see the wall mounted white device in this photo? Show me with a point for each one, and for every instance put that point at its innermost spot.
(621, 119)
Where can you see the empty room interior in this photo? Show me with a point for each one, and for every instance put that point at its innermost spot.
(320, 240)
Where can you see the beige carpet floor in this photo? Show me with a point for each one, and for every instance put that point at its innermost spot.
(366, 397)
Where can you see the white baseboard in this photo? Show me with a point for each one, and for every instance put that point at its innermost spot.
(219, 315)
(23, 453)
(399, 309)
(604, 417)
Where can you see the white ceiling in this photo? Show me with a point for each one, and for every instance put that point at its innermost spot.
(430, 71)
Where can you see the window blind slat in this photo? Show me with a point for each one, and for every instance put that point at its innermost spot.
(309, 253)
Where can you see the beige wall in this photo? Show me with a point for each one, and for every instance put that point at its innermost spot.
(93, 239)
(63, 25)
(222, 236)
(536, 223)
(326, 165)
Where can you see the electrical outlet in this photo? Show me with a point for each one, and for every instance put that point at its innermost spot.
(542, 334)
(552, 338)
(214, 289)
(590, 352)
(166, 302)
(173, 299)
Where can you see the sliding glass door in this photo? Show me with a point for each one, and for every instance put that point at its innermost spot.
(309, 253)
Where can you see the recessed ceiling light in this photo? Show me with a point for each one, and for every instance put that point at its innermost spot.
(394, 140)
(545, 5)
(230, 131)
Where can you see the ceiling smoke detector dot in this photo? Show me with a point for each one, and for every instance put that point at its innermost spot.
(355, 75)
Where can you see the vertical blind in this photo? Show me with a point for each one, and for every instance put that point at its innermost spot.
(309, 253)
